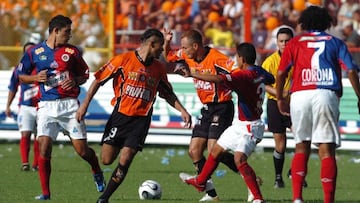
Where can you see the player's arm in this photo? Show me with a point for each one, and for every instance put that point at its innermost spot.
(166, 92)
(167, 40)
(281, 100)
(205, 77)
(28, 79)
(11, 96)
(80, 113)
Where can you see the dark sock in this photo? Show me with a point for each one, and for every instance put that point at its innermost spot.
(115, 181)
(279, 159)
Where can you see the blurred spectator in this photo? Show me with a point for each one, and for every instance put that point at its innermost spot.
(217, 31)
(346, 11)
(233, 10)
(351, 38)
(356, 21)
(259, 39)
(9, 37)
(93, 58)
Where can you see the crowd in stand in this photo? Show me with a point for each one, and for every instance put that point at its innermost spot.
(219, 20)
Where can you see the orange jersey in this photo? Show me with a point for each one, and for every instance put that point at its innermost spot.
(214, 63)
(135, 85)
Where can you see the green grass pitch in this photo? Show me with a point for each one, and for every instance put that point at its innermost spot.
(71, 179)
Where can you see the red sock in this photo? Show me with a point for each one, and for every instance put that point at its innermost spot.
(298, 173)
(209, 167)
(44, 174)
(328, 178)
(36, 153)
(93, 161)
(250, 179)
(24, 149)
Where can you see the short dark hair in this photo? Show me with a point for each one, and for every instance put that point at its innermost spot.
(315, 18)
(247, 51)
(59, 21)
(285, 30)
(151, 32)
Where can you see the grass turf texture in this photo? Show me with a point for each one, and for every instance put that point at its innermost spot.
(71, 180)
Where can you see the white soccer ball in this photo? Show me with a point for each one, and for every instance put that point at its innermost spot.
(150, 189)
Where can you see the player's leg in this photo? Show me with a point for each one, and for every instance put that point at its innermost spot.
(299, 168)
(26, 122)
(244, 139)
(129, 136)
(326, 135)
(127, 154)
(279, 158)
(36, 152)
(25, 141)
(328, 173)
(44, 162)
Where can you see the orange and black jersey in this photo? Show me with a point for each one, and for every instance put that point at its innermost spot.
(135, 83)
(214, 63)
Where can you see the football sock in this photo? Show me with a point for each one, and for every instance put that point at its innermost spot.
(250, 179)
(36, 153)
(116, 179)
(24, 149)
(228, 159)
(298, 173)
(199, 164)
(279, 159)
(44, 174)
(208, 169)
(328, 176)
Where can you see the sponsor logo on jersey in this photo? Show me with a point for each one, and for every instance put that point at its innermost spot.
(69, 50)
(43, 58)
(56, 80)
(138, 92)
(204, 85)
(39, 50)
(317, 76)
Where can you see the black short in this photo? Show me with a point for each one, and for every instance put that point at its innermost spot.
(126, 131)
(214, 119)
(277, 123)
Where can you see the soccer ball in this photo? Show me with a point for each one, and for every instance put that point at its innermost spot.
(150, 189)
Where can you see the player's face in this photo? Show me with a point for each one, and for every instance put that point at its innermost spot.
(188, 48)
(63, 35)
(239, 61)
(282, 40)
(156, 47)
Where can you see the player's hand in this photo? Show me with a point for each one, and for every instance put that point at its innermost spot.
(284, 107)
(167, 34)
(186, 117)
(68, 84)
(8, 112)
(80, 113)
(183, 69)
(42, 76)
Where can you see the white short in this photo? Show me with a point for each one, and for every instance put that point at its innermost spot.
(59, 115)
(26, 119)
(315, 116)
(242, 136)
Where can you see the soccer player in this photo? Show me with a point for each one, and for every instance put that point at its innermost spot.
(218, 109)
(26, 119)
(60, 70)
(277, 123)
(137, 77)
(316, 59)
(244, 134)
